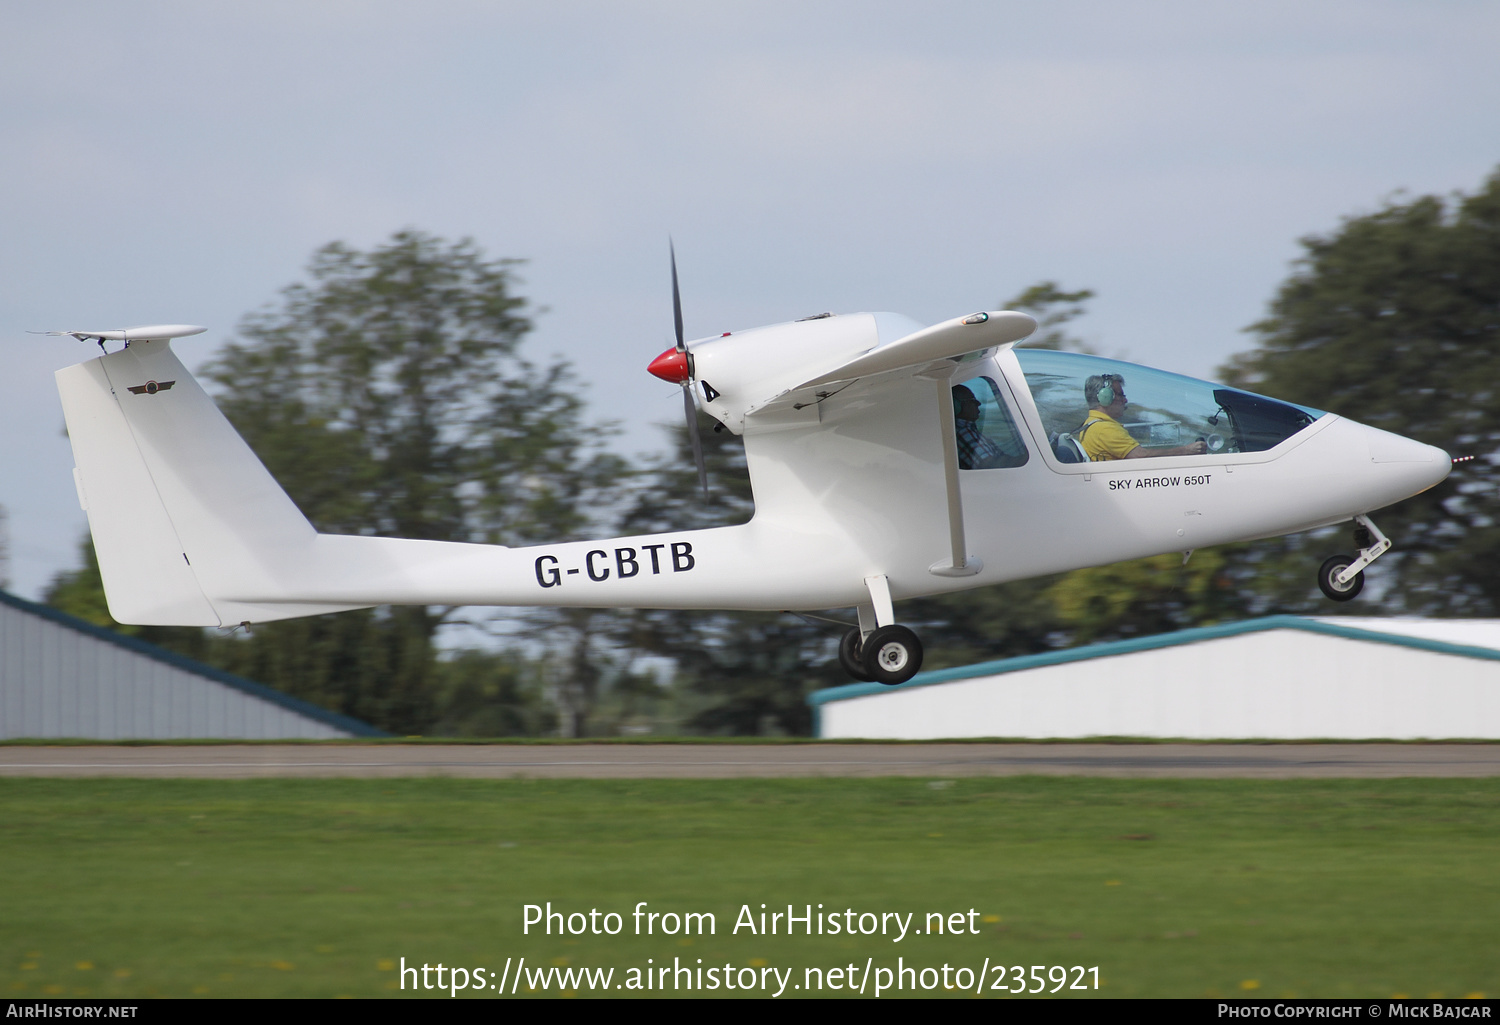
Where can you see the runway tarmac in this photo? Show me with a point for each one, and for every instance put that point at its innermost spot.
(726, 761)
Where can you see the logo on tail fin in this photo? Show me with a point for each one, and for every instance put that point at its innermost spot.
(151, 387)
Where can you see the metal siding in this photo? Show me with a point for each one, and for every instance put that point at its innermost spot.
(12, 672)
(179, 709)
(165, 691)
(113, 696)
(250, 720)
(274, 722)
(213, 714)
(1275, 684)
(10, 652)
(46, 671)
(32, 681)
(56, 681)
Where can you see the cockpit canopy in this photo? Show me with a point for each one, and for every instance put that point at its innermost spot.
(1164, 409)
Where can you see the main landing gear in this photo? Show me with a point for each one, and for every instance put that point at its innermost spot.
(1341, 577)
(879, 651)
(890, 655)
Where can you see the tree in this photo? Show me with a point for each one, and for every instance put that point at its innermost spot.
(1144, 597)
(490, 694)
(388, 396)
(1394, 320)
(1052, 308)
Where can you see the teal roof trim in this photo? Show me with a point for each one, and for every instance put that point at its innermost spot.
(171, 658)
(1169, 640)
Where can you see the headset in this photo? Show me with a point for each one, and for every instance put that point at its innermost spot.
(1106, 394)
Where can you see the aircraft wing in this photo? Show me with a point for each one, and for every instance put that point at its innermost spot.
(950, 339)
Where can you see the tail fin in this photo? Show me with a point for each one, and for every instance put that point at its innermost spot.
(183, 513)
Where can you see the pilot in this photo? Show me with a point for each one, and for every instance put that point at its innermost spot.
(975, 451)
(1103, 437)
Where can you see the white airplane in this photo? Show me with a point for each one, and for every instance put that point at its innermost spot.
(888, 460)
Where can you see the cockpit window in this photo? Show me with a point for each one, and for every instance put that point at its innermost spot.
(987, 435)
(1163, 411)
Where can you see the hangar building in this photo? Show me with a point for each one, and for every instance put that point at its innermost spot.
(63, 677)
(1281, 678)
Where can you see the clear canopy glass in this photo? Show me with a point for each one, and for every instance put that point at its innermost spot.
(1164, 410)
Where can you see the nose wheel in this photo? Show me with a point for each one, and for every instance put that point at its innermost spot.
(1341, 577)
(1332, 582)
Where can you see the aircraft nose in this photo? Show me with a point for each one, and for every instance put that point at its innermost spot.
(1418, 465)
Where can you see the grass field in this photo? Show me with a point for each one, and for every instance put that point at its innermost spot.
(1171, 887)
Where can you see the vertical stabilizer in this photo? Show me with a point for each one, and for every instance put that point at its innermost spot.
(186, 519)
(147, 576)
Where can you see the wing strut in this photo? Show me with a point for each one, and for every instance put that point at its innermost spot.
(961, 563)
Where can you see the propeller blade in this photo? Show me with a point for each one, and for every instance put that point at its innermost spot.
(692, 422)
(676, 299)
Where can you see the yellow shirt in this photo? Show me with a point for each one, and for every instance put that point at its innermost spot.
(1102, 437)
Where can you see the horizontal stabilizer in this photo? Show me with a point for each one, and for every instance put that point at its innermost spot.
(151, 333)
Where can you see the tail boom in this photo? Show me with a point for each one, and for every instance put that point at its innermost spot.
(191, 529)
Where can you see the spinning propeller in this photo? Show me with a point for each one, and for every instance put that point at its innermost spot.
(676, 365)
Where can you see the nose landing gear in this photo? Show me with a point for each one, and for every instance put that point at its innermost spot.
(1341, 577)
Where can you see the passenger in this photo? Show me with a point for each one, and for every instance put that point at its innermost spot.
(1103, 437)
(975, 451)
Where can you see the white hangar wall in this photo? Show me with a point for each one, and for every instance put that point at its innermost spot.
(63, 677)
(1279, 678)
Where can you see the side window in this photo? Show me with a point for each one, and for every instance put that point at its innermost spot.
(987, 433)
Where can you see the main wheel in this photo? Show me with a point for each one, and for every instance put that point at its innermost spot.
(849, 655)
(1328, 581)
(892, 655)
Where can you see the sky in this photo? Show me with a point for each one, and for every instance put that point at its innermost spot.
(169, 162)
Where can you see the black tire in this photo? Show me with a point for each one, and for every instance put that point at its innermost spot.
(849, 655)
(892, 655)
(1330, 587)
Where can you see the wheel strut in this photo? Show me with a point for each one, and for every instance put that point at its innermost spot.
(878, 650)
(1341, 577)
(1373, 544)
